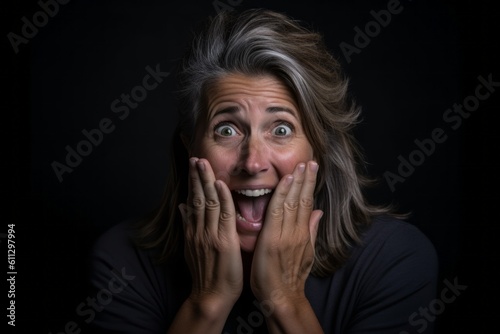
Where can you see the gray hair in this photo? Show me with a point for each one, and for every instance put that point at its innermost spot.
(262, 42)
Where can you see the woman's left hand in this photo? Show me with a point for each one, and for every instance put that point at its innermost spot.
(284, 252)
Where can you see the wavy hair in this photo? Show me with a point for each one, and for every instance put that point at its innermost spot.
(263, 42)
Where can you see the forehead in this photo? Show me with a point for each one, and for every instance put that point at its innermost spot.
(242, 89)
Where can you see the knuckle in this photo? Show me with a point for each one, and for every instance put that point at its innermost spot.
(226, 216)
(277, 213)
(299, 181)
(312, 180)
(306, 202)
(190, 211)
(281, 193)
(291, 205)
(212, 204)
(201, 239)
(198, 202)
(193, 179)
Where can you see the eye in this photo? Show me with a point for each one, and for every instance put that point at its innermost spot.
(282, 130)
(225, 130)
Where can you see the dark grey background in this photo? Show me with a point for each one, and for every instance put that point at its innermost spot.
(65, 79)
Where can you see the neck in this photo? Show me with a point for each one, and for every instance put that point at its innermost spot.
(246, 258)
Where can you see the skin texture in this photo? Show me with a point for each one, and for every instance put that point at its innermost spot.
(254, 156)
(251, 138)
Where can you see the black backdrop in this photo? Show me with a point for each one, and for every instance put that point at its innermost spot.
(406, 74)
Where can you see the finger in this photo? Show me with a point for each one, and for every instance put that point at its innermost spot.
(212, 203)
(192, 164)
(274, 212)
(227, 235)
(306, 196)
(196, 197)
(184, 214)
(182, 210)
(314, 222)
(227, 214)
(292, 200)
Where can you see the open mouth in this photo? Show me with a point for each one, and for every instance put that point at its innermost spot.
(251, 206)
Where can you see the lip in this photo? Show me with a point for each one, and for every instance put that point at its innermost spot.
(254, 187)
(246, 227)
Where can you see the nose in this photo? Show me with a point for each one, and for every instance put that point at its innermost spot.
(253, 156)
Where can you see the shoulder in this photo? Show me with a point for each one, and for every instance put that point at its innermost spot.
(388, 234)
(129, 287)
(394, 254)
(114, 251)
(116, 248)
(390, 274)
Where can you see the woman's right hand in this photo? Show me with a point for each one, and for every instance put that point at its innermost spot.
(212, 248)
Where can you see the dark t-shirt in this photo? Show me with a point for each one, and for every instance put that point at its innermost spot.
(386, 286)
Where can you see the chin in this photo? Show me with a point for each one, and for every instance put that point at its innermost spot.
(247, 243)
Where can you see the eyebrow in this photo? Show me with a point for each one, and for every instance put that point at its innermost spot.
(235, 109)
(280, 109)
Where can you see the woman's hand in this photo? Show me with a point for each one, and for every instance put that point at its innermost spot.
(212, 248)
(284, 252)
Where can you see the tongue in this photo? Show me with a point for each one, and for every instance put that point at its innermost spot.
(252, 208)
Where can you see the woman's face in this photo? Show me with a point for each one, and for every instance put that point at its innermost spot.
(252, 136)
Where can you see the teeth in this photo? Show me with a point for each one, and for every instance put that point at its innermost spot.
(240, 216)
(254, 193)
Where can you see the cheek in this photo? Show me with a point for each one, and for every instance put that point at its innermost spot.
(222, 163)
(289, 158)
(222, 159)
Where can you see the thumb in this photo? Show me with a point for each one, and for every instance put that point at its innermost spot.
(314, 224)
(183, 211)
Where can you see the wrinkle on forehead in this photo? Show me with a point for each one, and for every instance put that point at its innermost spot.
(243, 87)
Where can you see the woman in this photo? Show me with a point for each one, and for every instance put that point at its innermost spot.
(263, 226)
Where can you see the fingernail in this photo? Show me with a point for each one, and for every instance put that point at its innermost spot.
(218, 186)
(192, 161)
(301, 168)
(201, 165)
(314, 166)
(289, 179)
